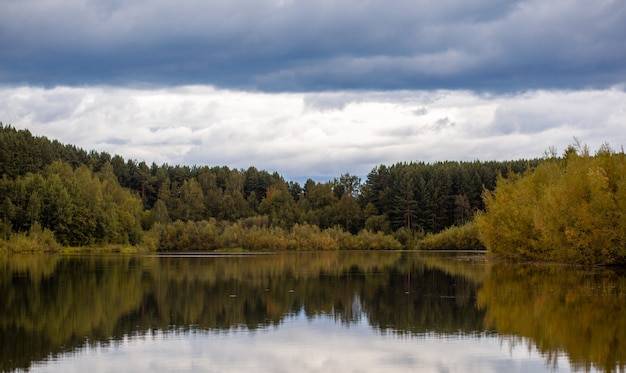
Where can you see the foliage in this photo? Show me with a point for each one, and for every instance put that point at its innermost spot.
(78, 206)
(91, 198)
(37, 240)
(431, 197)
(464, 237)
(213, 235)
(567, 210)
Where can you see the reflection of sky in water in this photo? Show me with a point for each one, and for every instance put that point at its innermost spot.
(305, 345)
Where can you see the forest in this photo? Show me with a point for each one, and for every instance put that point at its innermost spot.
(568, 208)
(55, 195)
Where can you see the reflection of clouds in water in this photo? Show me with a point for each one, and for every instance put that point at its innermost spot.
(303, 344)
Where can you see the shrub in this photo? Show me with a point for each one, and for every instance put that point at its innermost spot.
(369, 240)
(37, 240)
(464, 237)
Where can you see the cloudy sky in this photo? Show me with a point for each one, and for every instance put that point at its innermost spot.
(315, 88)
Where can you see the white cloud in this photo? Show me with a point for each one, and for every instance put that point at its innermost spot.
(319, 135)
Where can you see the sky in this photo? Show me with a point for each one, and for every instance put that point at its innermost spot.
(315, 89)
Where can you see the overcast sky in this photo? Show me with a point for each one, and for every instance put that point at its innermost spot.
(315, 88)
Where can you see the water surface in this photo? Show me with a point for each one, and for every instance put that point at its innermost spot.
(308, 312)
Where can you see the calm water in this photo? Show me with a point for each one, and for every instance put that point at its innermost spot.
(308, 312)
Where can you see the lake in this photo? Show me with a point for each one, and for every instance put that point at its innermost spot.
(308, 312)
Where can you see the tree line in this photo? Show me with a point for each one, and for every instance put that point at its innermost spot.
(86, 198)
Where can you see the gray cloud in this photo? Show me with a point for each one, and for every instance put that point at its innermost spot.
(285, 45)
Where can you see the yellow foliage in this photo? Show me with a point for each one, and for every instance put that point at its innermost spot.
(567, 210)
(463, 237)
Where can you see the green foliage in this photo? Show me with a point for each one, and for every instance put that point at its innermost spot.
(408, 238)
(317, 204)
(279, 206)
(567, 210)
(80, 207)
(378, 223)
(91, 198)
(348, 213)
(191, 206)
(431, 197)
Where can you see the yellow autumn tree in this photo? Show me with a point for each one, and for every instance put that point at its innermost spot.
(569, 209)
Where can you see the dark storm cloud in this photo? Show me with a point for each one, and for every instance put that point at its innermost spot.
(296, 45)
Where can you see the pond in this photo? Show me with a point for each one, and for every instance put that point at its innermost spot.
(308, 312)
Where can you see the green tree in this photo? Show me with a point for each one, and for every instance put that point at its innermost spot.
(348, 213)
(318, 204)
(212, 193)
(279, 206)
(159, 213)
(191, 206)
(346, 183)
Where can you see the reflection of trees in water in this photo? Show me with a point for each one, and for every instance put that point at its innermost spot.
(423, 300)
(581, 312)
(239, 292)
(54, 304)
(57, 304)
